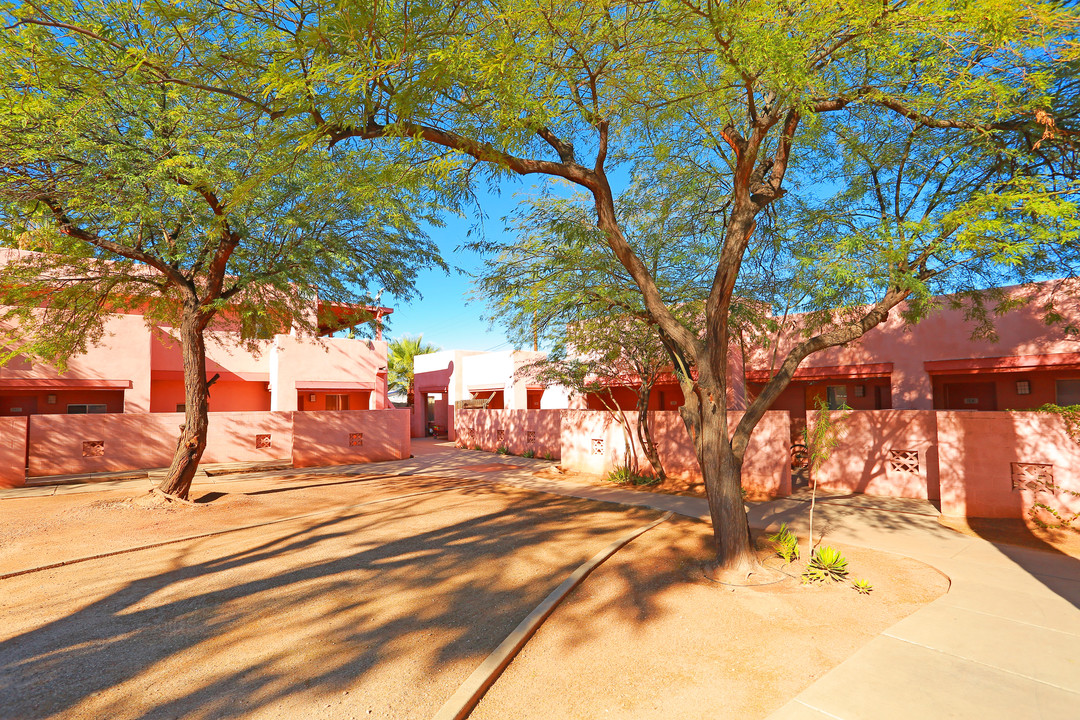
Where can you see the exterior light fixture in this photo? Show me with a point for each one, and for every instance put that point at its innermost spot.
(50, 399)
(1023, 387)
(311, 397)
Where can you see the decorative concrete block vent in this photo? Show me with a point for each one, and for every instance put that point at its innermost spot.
(530, 436)
(262, 441)
(501, 434)
(904, 461)
(598, 446)
(93, 448)
(1036, 477)
(356, 439)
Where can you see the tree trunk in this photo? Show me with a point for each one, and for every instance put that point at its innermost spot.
(192, 442)
(722, 472)
(644, 432)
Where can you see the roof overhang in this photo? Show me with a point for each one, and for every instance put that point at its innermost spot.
(1014, 363)
(856, 372)
(349, 385)
(486, 388)
(224, 376)
(64, 384)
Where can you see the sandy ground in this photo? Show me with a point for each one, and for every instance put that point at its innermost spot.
(648, 636)
(380, 611)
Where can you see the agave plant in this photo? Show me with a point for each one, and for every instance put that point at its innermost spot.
(826, 564)
(786, 543)
(863, 587)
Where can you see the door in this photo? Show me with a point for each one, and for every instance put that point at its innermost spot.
(970, 396)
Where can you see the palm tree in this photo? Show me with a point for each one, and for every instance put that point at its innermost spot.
(399, 361)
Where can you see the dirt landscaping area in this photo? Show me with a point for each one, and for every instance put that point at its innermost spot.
(649, 636)
(383, 602)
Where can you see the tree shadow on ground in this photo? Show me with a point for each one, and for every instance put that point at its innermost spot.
(396, 602)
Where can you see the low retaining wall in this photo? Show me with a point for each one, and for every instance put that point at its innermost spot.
(77, 444)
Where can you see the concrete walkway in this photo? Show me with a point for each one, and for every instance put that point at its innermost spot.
(1004, 642)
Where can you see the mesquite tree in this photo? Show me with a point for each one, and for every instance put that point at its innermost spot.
(120, 191)
(748, 95)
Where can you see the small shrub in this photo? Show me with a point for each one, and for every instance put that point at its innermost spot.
(503, 450)
(530, 453)
(477, 447)
(625, 476)
(826, 565)
(786, 543)
(863, 587)
(548, 456)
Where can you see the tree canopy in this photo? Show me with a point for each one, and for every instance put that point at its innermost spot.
(775, 117)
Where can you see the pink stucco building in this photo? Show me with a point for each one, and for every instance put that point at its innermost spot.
(137, 368)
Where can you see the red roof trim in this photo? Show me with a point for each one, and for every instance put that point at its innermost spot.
(868, 370)
(63, 384)
(335, 385)
(1014, 363)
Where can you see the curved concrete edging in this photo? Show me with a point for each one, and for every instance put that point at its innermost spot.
(462, 702)
(173, 541)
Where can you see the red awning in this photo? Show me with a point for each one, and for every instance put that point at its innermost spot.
(1014, 363)
(486, 388)
(350, 386)
(868, 370)
(63, 384)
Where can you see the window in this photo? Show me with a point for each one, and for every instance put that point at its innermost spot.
(337, 402)
(1068, 392)
(84, 409)
(836, 396)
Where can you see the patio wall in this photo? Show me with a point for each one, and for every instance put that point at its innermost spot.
(347, 437)
(592, 441)
(12, 451)
(521, 430)
(882, 452)
(68, 444)
(999, 464)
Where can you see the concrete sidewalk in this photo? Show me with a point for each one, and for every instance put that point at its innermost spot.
(1004, 642)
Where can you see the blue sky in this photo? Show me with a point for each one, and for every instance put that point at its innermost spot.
(444, 315)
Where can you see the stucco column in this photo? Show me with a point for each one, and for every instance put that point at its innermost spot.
(282, 379)
(912, 388)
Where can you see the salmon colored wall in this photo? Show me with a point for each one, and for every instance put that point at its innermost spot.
(124, 354)
(977, 454)
(224, 396)
(326, 360)
(112, 399)
(946, 335)
(569, 435)
(324, 438)
(861, 461)
(482, 428)
(626, 398)
(13, 451)
(147, 440)
(766, 467)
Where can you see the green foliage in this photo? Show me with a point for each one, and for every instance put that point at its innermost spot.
(400, 354)
(786, 543)
(477, 447)
(548, 456)
(623, 475)
(861, 586)
(1070, 414)
(530, 453)
(502, 450)
(826, 564)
